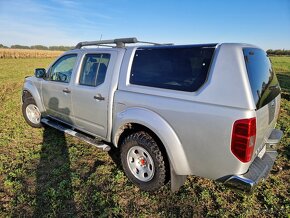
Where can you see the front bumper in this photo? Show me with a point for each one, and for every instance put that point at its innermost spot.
(260, 167)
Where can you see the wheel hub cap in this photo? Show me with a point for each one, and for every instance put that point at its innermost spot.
(33, 113)
(140, 163)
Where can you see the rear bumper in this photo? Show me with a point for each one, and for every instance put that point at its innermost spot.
(260, 167)
(258, 170)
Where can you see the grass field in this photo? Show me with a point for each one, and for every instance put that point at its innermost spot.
(45, 173)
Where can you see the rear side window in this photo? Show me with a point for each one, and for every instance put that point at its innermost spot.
(177, 68)
(263, 81)
(94, 69)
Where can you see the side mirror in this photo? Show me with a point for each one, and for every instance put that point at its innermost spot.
(40, 72)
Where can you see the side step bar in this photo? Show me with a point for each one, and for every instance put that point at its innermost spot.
(63, 128)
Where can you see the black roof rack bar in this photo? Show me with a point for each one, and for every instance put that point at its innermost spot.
(120, 43)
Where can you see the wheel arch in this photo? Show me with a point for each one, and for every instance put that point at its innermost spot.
(133, 119)
(29, 90)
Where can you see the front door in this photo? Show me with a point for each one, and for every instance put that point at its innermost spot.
(56, 93)
(91, 92)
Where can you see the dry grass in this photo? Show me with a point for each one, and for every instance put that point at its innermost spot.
(28, 53)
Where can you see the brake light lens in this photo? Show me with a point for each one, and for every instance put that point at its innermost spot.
(244, 139)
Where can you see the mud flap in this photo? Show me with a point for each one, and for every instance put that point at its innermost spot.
(176, 180)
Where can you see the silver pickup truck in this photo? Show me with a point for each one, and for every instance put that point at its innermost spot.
(171, 110)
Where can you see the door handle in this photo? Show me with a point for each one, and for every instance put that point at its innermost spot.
(66, 90)
(99, 97)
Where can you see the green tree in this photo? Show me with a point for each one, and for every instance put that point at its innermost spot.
(39, 47)
(20, 47)
(3, 46)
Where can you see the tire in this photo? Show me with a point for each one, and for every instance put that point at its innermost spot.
(31, 113)
(143, 162)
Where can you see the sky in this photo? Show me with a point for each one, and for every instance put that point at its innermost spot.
(265, 23)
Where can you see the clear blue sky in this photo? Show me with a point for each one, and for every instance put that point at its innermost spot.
(265, 23)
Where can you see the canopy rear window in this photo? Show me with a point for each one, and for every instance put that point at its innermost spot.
(263, 81)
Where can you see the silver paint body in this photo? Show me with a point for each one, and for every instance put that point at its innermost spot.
(194, 127)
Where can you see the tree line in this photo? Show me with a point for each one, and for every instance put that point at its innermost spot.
(39, 47)
(278, 52)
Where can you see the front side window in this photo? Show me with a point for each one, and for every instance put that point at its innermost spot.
(61, 71)
(183, 68)
(94, 69)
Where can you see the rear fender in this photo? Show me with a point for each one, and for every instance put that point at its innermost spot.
(161, 128)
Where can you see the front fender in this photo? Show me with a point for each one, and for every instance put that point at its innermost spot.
(30, 87)
(161, 128)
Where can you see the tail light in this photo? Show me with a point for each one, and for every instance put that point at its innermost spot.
(244, 139)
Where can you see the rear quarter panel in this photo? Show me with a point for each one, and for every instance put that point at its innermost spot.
(204, 131)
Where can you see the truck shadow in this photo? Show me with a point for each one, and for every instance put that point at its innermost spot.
(114, 154)
(54, 193)
(54, 187)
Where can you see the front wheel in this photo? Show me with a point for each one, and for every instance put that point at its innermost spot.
(31, 113)
(143, 162)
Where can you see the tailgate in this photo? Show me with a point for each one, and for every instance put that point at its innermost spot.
(266, 94)
(266, 121)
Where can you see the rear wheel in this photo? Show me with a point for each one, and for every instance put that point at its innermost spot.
(143, 162)
(31, 113)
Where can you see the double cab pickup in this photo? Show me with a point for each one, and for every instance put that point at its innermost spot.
(171, 110)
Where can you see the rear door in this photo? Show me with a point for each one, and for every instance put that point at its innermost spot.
(266, 93)
(91, 92)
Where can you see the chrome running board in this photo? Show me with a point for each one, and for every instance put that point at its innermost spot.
(83, 137)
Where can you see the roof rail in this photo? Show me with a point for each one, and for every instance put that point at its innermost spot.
(120, 43)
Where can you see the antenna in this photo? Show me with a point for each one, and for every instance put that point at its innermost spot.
(100, 39)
